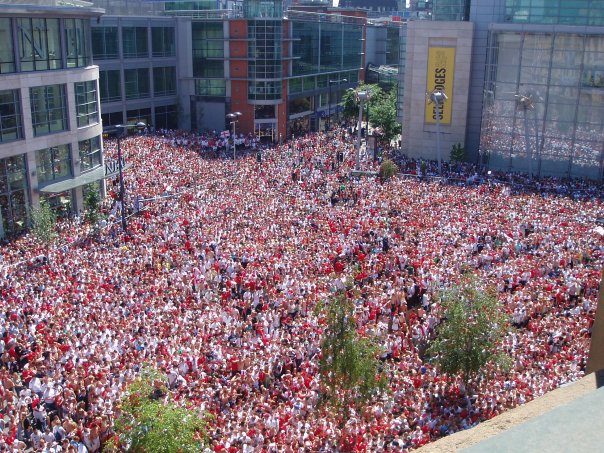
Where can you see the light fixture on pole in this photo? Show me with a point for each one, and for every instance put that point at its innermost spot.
(438, 98)
(361, 96)
(140, 126)
(525, 103)
(331, 82)
(234, 117)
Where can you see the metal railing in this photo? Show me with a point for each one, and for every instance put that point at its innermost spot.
(72, 3)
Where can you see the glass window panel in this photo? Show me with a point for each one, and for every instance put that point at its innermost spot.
(48, 109)
(164, 81)
(136, 83)
(86, 103)
(110, 85)
(90, 153)
(53, 163)
(39, 44)
(112, 118)
(166, 117)
(136, 115)
(134, 42)
(7, 51)
(105, 43)
(208, 43)
(78, 47)
(305, 47)
(210, 87)
(11, 120)
(163, 43)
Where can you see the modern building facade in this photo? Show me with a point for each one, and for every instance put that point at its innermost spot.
(138, 75)
(437, 58)
(191, 63)
(535, 102)
(50, 128)
(543, 93)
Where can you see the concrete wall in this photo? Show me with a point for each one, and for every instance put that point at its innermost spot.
(481, 14)
(418, 137)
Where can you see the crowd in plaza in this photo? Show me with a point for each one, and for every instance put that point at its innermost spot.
(216, 281)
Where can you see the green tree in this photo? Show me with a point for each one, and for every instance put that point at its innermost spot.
(458, 153)
(382, 116)
(43, 222)
(350, 104)
(149, 422)
(92, 203)
(388, 169)
(473, 327)
(349, 366)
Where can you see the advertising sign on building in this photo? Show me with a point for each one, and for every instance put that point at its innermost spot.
(441, 68)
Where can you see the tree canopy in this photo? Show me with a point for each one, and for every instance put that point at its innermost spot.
(468, 338)
(43, 222)
(349, 365)
(382, 109)
(149, 422)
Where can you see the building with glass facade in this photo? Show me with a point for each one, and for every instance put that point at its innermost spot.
(138, 75)
(535, 101)
(50, 128)
(187, 64)
(543, 92)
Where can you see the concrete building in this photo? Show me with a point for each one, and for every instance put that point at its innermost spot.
(535, 99)
(188, 64)
(50, 129)
(437, 57)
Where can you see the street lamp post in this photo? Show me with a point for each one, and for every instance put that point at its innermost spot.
(438, 98)
(362, 96)
(526, 104)
(234, 117)
(339, 81)
(140, 126)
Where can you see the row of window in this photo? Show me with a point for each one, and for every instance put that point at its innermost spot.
(325, 47)
(166, 117)
(135, 42)
(55, 163)
(137, 83)
(311, 83)
(48, 109)
(39, 46)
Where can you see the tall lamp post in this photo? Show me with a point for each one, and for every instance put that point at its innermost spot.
(234, 117)
(140, 126)
(525, 103)
(438, 98)
(361, 96)
(331, 82)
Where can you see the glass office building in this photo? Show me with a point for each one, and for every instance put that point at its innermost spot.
(560, 12)
(543, 102)
(50, 126)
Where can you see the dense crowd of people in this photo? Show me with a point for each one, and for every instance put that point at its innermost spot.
(216, 281)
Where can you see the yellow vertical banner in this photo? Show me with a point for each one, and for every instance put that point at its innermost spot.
(441, 67)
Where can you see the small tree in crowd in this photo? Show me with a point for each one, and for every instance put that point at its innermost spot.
(467, 339)
(92, 203)
(383, 115)
(43, 222)
(388, 169)
(349, 365)
(148, 422)
(458, 153)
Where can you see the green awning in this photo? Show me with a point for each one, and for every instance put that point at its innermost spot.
(97, 174)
